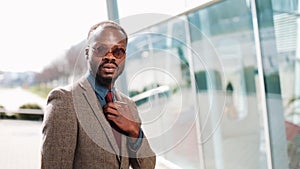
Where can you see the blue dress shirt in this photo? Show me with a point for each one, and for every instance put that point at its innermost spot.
(101, 93)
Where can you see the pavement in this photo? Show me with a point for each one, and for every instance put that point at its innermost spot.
(20, 142)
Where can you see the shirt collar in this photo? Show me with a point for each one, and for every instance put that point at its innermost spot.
(99, 90)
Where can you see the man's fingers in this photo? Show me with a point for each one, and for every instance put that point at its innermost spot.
(110, 105)
(111, 117)
(111, 110)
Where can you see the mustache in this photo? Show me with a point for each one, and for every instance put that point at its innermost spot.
(109, 61)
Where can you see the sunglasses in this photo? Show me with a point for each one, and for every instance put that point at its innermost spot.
(103, 50)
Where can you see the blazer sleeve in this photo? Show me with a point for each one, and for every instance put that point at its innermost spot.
(143, 157)
(59, 131)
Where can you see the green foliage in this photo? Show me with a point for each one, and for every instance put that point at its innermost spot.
(133, 93)
(29, 116)
(175, 89)
(2, 114)
(30, 106)
(293, 99)
(41, 90)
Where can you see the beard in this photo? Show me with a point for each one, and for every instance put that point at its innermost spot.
(100, 76)
(103, 80)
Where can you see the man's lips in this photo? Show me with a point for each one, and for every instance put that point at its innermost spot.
(109, 68)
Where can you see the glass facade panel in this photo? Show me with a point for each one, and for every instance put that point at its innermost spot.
(203, 99)
(207, 63)
(286, 27)
(225, 68)
(158, 78)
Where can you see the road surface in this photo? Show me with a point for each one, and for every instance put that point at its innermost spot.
(20, 144)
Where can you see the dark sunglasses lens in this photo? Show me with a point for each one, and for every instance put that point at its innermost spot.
(102, 50)
(119, 52)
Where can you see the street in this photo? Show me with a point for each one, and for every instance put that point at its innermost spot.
(20, 144)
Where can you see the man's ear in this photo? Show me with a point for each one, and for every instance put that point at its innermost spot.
(86, 52)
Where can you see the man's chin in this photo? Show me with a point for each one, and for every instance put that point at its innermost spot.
(105, 79)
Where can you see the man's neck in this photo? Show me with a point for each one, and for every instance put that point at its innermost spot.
(109, 86)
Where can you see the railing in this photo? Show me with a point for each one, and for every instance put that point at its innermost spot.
(22, 111)
(150, 93)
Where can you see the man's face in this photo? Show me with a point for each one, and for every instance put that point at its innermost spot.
(106, 54)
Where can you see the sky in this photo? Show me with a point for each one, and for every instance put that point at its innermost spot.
(34, 33)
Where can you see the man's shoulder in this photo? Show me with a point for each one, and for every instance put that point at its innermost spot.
(68, 89)
(122, 95)
(125, 98)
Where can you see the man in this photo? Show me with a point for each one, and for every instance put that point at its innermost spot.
(90, 124)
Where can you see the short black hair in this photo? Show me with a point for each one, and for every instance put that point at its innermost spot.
(106, 24)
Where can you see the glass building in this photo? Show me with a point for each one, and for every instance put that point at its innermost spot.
(218, 85)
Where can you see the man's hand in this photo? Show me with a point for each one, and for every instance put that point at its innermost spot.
(119, 113)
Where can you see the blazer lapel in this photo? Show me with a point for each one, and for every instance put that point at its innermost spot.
(123, 150)
(91, 98)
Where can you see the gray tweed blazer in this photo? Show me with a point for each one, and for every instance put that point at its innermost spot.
(76, 134)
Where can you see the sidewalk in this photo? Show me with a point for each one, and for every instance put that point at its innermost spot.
(20, 144)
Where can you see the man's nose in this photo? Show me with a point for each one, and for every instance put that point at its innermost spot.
(109, 57)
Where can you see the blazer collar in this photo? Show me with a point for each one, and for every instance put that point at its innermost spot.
(100, 91)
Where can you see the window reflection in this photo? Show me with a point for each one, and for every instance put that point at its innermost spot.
(286, 26)
(195, 81)
(159, 80)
